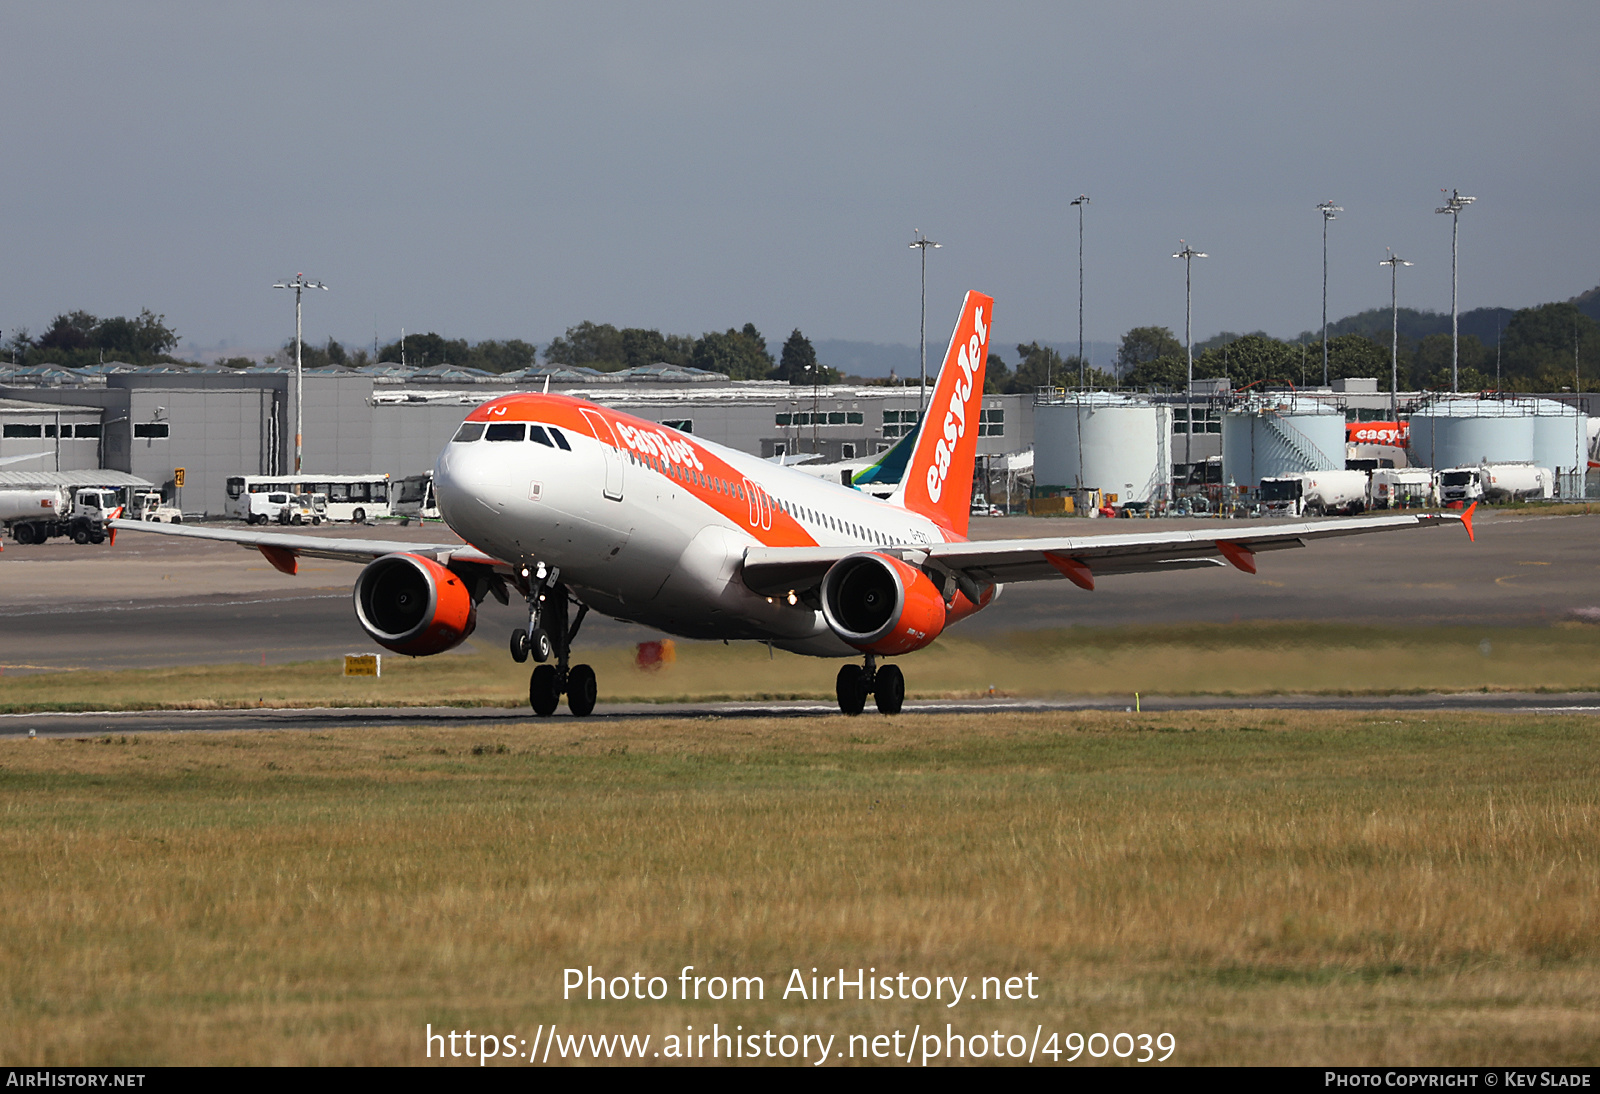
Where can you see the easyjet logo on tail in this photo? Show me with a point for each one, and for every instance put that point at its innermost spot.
(937, 481)
(968, 360)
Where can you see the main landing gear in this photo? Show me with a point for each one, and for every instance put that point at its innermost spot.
(548, 632)
(887, 686)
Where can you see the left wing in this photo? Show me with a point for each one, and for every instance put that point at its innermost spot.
(772, 571)
(283, 548)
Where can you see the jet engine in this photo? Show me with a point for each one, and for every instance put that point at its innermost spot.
(413, 605)
(880, 604)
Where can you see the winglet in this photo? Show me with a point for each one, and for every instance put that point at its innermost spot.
(281, 558)
(1241, 556)
(1466, 520)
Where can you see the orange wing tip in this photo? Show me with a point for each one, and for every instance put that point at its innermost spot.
(1466, 521)
(1074, 570)
(1241, 557)
(281, 559)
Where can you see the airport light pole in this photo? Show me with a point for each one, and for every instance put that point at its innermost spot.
(1080, 201)
(922, 244)
(1453, 205)
(1188, 254)
(299, 285)
(1394, 262)
(1328, 210)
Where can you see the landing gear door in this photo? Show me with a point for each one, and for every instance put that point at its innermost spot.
(609, 451)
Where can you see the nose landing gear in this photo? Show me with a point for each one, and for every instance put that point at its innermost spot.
(548, 633)
(887, 686)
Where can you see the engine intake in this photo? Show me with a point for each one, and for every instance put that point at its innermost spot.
(879, 604)
(413, 605)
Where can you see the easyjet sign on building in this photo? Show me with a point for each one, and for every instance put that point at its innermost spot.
(1392, 433)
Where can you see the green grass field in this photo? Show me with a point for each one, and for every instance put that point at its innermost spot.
(1236, 659)
(1268, 888)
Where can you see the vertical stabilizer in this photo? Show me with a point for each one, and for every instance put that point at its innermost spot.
(938, 483)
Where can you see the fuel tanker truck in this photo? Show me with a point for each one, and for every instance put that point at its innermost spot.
(33, 516)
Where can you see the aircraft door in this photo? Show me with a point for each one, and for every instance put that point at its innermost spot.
(609, 451)
(760, 506)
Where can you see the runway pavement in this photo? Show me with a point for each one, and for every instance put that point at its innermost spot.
(151, 601)
(328, 718)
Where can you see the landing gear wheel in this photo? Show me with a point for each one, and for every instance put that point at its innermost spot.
(544, 693)
(889, 689)
(519, 645)
(851, 688)
(539, 646)
(581, 691)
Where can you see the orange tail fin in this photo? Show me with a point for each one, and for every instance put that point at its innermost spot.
(938, 483)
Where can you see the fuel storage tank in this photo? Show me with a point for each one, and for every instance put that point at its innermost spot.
(1560, 442)
(1103, 441)
(1269, 436)
(1465, 432)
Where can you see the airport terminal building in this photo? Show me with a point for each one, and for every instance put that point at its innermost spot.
(217, 423)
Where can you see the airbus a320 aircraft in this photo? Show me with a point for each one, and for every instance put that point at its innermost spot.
(576, 508)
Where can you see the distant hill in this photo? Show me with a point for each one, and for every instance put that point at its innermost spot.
(1589, 303)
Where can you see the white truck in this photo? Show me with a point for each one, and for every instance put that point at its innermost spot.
(1495, 482)
(151, 506)
(1314, 492)
(33, 516)
(1401, 488)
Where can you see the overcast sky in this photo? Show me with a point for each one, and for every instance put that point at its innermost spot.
(500, 170)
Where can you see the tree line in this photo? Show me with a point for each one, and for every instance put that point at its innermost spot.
(1538, 349)
(76, 339)
(1531, 350)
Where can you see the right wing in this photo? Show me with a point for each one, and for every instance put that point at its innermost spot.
(772, 571)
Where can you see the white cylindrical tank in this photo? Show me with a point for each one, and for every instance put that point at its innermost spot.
(1560, 439)
(1274, 436)
(1106, 442)
(1452, 432)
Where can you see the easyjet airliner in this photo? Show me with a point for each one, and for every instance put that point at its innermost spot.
(576, 508)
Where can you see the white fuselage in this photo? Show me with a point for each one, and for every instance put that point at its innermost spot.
(653, 529)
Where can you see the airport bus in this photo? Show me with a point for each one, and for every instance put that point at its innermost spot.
(413, 497)
(350, 497)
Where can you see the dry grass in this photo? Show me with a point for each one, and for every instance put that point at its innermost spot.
(1286, 888)
(1237, 659)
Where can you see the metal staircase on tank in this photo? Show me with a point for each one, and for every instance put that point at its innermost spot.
(1300, 444)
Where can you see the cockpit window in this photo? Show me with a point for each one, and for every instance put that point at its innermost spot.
(469, 431)
(561, 442)
(507, 431)
(537, 433)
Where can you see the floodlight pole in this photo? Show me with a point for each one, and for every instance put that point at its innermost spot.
(1453, 205)
(299, 285)
(1394, 262)
(1188, 254)
(1080, 202)
(1328, 210)
(922, 244)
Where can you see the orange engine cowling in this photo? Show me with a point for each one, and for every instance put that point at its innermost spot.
(413, 605)
(880, 604)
